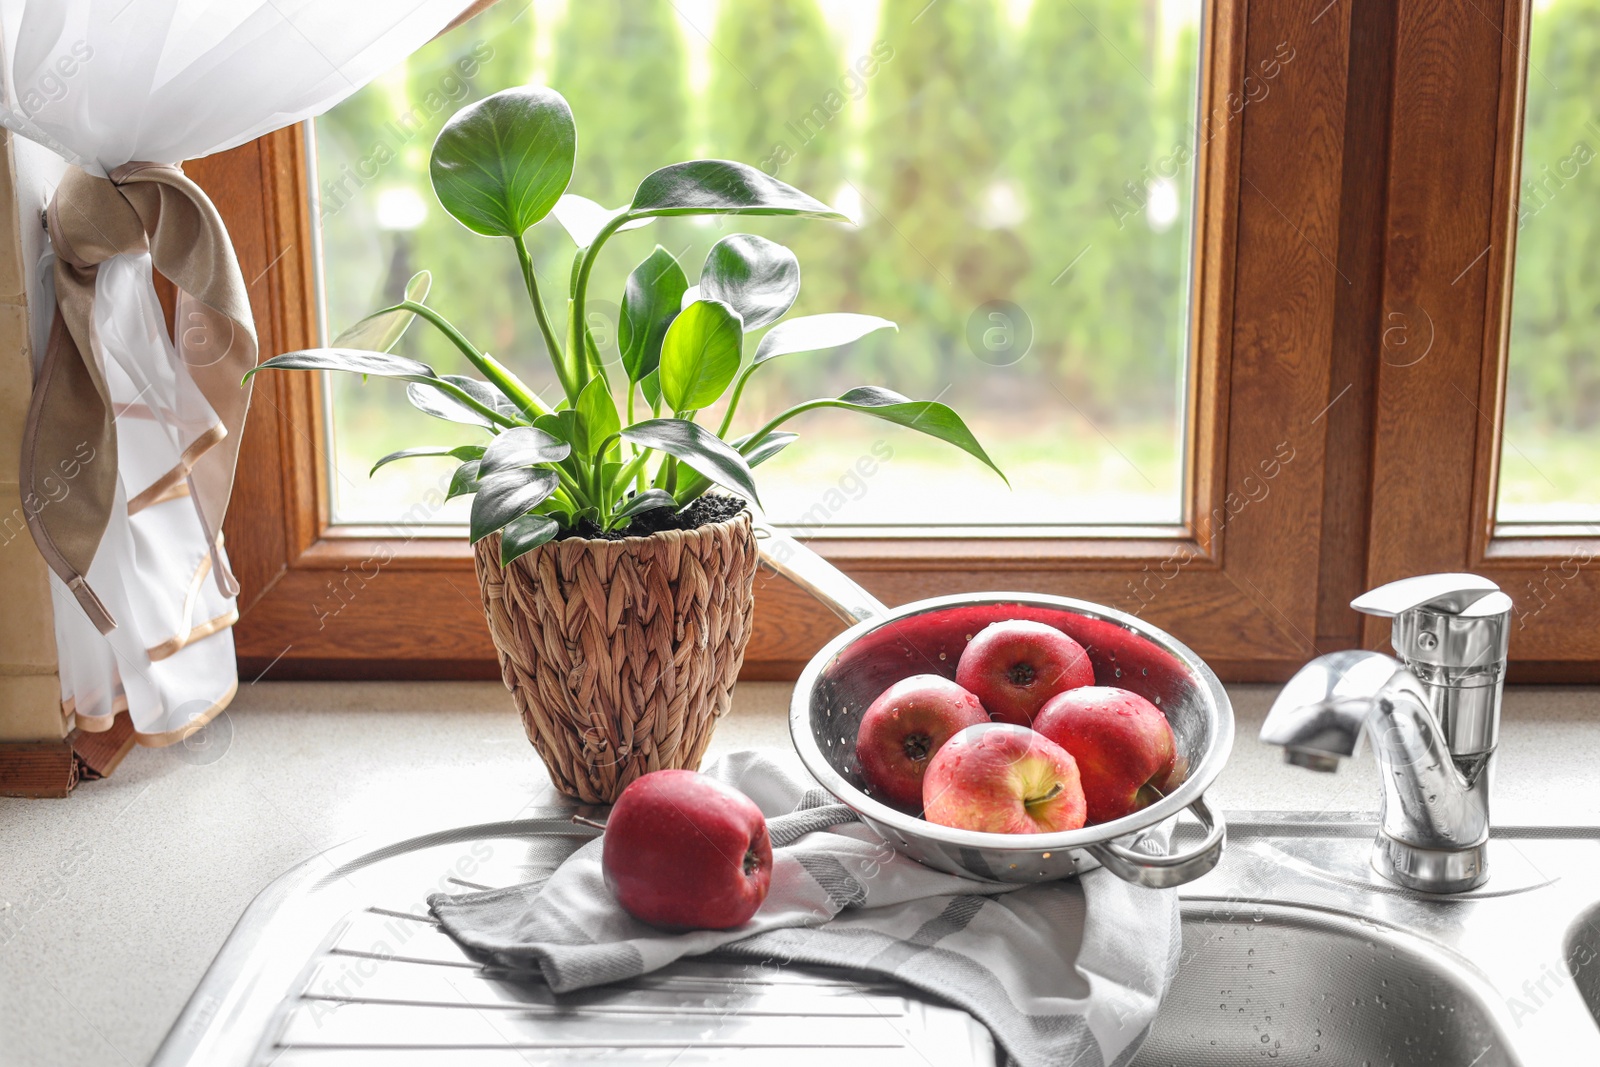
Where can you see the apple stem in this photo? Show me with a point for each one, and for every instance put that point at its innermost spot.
(582, 821)
(1055, 791)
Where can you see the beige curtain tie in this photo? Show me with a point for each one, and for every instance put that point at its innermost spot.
(141, 207)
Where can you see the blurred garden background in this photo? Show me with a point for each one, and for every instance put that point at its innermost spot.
(1550, 461)
(1000, 159)
(1021, 175)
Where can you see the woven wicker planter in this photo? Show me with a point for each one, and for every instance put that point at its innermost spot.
(621, 655)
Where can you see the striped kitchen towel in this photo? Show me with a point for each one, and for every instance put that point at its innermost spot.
(1065, 972)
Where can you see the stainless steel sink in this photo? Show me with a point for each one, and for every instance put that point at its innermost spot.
(1295, 952)
(1296, 985)
(1583, 957)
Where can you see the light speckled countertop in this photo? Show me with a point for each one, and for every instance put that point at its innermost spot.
(113, 902)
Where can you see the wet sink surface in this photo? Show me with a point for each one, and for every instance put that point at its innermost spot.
(1296, 952)
(1294, 986)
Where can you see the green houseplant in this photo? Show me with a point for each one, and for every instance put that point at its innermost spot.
(572, 602)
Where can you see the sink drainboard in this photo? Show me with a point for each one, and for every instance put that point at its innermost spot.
(1294, 953)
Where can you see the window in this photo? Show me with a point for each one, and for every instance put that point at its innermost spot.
(1029, 232)
(1330, 353)
(1550, 461)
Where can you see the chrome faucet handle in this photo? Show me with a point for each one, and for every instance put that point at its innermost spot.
(1451, 593)
(1453, 632)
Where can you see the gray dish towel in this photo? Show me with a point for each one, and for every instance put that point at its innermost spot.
(1062, 973)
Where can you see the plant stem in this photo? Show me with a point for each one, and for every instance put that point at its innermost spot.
(578, 339)
(557, 357)
(597, 479)
(733, 401)
(499, 376)
(781, 418)
(635, 467)
(632, 389)
(569, 483)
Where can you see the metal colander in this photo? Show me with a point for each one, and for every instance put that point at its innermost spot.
(926, 637)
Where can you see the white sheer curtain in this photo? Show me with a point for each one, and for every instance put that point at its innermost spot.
(104, 83)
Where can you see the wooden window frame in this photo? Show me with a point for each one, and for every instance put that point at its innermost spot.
(1307, 205)
(1455, 171)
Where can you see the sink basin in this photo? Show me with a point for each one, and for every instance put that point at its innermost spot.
(1294, 952)
(1297, 952)
(1292, 985)
(1583, 958)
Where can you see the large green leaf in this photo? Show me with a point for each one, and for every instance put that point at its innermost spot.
(459, 452)
(722, 187)
(557, 427)
(565, 426)
(649, 500)
(501, 163)
(700, 449)
(484, 393)
(381, 331)
(385, 365)
(700, 355)
(355, 360)
(650, 388)
(522, 446)
(583, 219)
(767, 447)
(758, 278)
(524, 534)
(597, 413)
(771, 444)
(429, 399)
(650, 302)
(812, 333)
(464, 481)
(924, 416)
(504, 496)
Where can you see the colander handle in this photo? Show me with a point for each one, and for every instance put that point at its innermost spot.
(1175, 868)
(783, 555)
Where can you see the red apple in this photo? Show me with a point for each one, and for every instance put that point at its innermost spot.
(904, 727)
(1124, 746)
(1003, 779)
(1013, 667)
(685, 852)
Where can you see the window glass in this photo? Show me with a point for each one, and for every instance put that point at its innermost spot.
(1021, 174)
(1550, 459)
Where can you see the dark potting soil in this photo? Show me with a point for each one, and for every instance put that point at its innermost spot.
(701, 511)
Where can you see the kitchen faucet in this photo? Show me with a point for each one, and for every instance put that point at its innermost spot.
(1433, 716)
